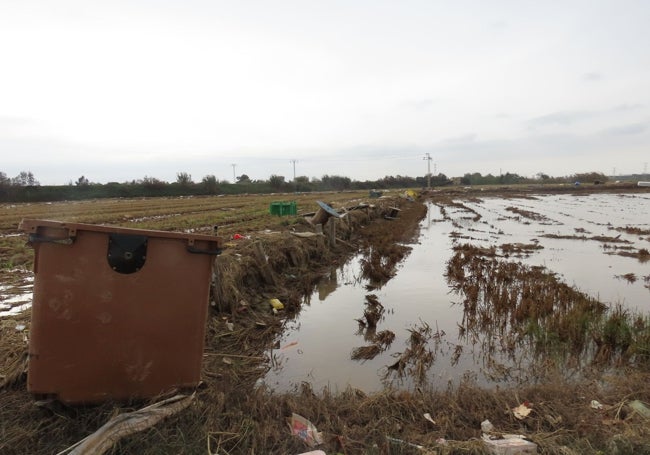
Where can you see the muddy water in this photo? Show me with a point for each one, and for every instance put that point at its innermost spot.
(316, 347)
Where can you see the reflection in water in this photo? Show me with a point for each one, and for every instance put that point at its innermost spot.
(327, 285)
(525, 301)
(418, 357)
(516, 312)
(380, 341)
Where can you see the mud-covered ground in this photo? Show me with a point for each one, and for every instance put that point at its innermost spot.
(230, 414)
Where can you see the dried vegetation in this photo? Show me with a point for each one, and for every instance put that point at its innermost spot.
(232, 415)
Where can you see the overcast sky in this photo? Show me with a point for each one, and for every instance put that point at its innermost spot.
(119, 90)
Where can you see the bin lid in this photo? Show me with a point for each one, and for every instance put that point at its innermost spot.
(33, 225)
(328, 209)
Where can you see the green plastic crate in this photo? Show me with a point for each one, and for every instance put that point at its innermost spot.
(282, 208)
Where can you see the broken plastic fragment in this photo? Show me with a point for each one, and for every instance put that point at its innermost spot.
(521, 411)
(640, 408)
(486, 426)
(511, 444)
(429, 418)
(305, 430)
(403, 442)
(288, 345)
(276, 304)
(595, 404)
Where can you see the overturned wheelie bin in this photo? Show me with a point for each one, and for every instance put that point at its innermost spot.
(117, 313)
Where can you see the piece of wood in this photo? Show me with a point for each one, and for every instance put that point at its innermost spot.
(324, 213)
(129, 423)
(331, 232)
(308, 235)
(320, 217)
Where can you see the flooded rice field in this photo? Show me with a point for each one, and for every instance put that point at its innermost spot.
(15, 291)
(491, 290)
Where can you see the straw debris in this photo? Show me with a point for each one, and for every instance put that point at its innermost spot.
(232, 414)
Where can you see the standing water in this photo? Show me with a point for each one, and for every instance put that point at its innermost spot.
(594, 243)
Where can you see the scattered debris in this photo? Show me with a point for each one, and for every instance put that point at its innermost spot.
(595, 404)
(402, 442)
(510, 444)
(129, 423)
(241, 430)
(410, 195)
(305, 430)
(429, 418)
(487, 427)
(324, 213)
(283, 208)
(276, 304)
(522, 411)
(640, 408)
(505, 444)
(289, 345)
(307, 235)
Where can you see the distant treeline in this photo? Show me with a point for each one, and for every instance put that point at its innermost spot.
(26, 188)
(29, 190)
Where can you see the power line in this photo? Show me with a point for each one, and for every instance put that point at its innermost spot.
(327, 158)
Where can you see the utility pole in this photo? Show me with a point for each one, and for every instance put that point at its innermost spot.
(234, 179)
(428, 158)
(294, 170)
(294, 175)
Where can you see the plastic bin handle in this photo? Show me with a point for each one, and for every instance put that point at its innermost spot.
(193, 250)
(36, 238)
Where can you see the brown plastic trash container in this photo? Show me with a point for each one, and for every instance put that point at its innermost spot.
(117, 313)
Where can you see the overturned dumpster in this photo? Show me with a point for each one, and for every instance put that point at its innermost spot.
(117, 313)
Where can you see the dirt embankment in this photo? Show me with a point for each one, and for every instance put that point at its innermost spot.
(284, 264)
(230, 415)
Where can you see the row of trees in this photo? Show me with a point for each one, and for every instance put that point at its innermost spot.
(508, 178)
(25, 178)
(25, 187)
